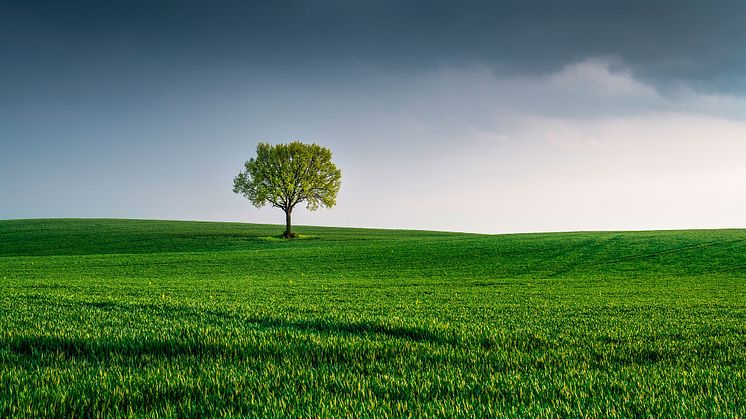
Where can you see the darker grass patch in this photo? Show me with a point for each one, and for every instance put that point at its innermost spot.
(639, 357)
(103, 305)
(279, 346)
(493, 283)
(39, 347)
(294, 237)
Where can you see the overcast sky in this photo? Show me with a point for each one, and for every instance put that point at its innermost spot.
(470, 116)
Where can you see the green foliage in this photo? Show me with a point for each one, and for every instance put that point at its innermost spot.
(285, 175)
(157, 318)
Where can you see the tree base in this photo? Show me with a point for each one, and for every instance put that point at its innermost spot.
(289, 235)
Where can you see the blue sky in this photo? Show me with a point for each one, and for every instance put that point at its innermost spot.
(472, 116)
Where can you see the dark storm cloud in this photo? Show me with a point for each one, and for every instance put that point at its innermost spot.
(698, 42)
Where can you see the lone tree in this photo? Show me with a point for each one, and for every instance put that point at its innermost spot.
(284, 175)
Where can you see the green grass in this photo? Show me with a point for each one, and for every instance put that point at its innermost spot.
(157, 318)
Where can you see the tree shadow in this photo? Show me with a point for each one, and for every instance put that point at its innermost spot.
(45, 349)
(359, 329)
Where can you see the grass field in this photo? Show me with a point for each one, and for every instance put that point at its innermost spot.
(156, 318)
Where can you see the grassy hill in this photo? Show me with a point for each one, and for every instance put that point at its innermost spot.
(193, 318)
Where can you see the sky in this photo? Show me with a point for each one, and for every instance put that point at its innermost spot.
(490, 117)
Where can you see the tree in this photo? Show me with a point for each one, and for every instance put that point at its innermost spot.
(284, 175)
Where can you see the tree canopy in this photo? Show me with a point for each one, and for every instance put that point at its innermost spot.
(285, 175)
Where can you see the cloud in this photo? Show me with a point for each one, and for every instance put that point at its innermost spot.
(590, 147)
(663, 43)
(595, 87)
(595, 77)
(647, 172)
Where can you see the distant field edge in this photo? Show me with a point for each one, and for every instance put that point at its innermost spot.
(369, 228)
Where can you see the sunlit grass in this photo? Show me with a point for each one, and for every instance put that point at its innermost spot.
(174, 318)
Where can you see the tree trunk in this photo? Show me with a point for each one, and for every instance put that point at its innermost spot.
(288, 233)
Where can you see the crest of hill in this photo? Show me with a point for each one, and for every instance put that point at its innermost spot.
(347, 251)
